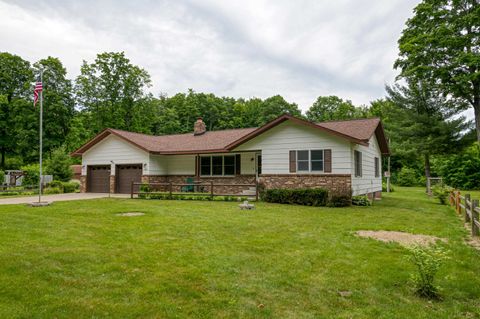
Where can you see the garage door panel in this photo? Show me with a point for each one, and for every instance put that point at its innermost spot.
(125, 175)
(98, 179)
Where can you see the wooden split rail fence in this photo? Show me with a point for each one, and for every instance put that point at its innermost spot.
(135, 189)
(469, 208)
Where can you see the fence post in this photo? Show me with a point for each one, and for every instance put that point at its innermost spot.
(170, 189)
(131, 190)
(457, 202)
(468, 207)
(475, 230)
(211, 189)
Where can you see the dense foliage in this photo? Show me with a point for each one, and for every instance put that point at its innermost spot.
(58, 165)
(307, 196)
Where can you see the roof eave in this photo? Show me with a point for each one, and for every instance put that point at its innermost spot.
(99, 137)
(193, 152)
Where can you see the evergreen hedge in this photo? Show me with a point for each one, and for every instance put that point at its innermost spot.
(300, 196)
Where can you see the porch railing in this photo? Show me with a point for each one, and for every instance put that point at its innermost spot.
(135, 189)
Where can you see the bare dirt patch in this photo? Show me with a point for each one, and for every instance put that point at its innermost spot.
(404, 239)
(130, 214)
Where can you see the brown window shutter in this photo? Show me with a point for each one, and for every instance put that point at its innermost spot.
(238, 162)
(197, 166)
(293, 161)
(327, 161)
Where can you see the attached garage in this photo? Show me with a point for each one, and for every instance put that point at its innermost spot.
(98, 179)
(125, 174)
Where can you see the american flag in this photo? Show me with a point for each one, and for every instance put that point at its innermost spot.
(38, 89)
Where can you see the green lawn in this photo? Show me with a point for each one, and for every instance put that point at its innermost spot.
(474, 194)
(210, 260)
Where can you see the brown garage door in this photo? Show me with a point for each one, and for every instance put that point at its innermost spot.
(98, 179)
(125, 175)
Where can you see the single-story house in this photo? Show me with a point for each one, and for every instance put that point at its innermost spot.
(288, 152)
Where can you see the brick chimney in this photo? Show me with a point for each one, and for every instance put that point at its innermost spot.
(199, 127)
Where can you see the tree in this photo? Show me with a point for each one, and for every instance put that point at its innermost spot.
(58, 165)
(425, 122)
(327, 108)
(110, 90)
(59, 106)
(275, 106)
(15, 81)
(441, 45)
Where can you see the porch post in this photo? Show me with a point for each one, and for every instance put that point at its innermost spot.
(197, 167)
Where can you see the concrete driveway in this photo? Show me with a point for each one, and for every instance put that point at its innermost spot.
(58, 198)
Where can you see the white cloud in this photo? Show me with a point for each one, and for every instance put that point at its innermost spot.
(299, 49)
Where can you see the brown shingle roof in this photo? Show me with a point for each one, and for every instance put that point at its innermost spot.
(361, 129)
(357, 131)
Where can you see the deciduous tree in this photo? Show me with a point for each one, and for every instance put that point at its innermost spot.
(441, 45)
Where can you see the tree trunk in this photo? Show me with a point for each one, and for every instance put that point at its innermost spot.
(427, 165)
(476, 109)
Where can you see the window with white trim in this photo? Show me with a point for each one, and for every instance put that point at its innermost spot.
(310, 161)
(217, 165)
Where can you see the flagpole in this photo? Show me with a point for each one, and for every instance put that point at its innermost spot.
(41, 135)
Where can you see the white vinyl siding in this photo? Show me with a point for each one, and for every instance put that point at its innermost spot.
(114, 149)
(276, 143)
(367, 183)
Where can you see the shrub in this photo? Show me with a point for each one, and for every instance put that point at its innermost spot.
(31, 174)
(70, 187)
(9, 193)
(361, 201)
(2, 177)
(58, 165)
(384, 187)
(303, 196)
(53, 190)
(407, 177)
(55, 184)
(340, 201)
(427, 261)
(441, 192)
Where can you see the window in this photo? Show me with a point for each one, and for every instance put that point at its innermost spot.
(217, 165)
(302, 161)
(377, 167)
(205, 165)
(317, 160)
(310, 161)
(229, 165)
(358, 163)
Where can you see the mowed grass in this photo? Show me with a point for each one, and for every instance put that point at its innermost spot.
(186, 259)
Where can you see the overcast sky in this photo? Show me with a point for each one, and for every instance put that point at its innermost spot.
(298, 49)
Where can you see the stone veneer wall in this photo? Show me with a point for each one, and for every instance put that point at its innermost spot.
(112, 184)
(339, 184)
(181, 179)
(83, 184)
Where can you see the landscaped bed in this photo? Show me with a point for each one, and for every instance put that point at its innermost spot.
(210, 259)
